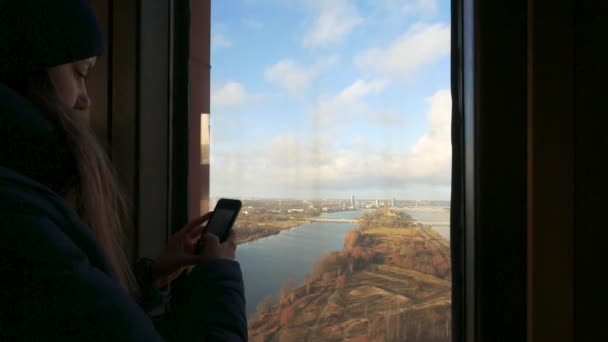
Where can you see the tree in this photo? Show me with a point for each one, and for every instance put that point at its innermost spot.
(330, 263)
(351, 264)
(288, 287)
(351, 239)
(266, 305)
(287, 315)
(326, 277)
(308, 278)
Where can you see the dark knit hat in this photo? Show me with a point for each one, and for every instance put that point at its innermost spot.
(38, 34)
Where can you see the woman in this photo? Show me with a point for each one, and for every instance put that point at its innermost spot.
(65, 275)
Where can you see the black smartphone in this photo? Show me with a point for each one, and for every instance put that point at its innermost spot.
(223, 217)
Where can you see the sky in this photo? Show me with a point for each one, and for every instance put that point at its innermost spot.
(330, 98)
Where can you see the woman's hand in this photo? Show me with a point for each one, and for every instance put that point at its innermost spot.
(179, 253)
(213, 249)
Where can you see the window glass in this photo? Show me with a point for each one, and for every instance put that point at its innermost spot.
(330, 120)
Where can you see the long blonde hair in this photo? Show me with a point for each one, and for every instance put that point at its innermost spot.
(100, 201)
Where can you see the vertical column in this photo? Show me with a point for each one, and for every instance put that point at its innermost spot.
(99, 85)
(550, 170)
(591, 183)
(153, 124)
(123, 105)
(200, 65)
(205, 161)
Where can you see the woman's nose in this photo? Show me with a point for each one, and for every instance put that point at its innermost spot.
(82, 102)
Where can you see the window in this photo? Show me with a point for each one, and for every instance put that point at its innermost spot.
(330, 120)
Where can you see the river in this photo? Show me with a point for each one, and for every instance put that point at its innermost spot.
(427, 215)
(268, 262)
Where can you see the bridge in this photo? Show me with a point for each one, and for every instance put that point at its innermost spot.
(435, 223)
(336, 220)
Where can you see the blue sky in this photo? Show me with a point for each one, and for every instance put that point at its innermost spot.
(329, 98)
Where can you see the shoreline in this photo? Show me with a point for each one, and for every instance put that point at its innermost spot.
(425, 209)
(268, 232)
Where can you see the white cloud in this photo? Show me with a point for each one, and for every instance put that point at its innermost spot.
(295, 77)
(420, 6)
(422, 44)
(409, 7)
(290, 75)
(432, 154)
(231, 95)
(220, 41)
(359, 89)
(386, 119)
(291, 165)
(348, 103)
(334, 20)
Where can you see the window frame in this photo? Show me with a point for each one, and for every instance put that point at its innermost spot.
(489, 64)
(154, 170)
(165, 181)
(141, 114)
(490, 157)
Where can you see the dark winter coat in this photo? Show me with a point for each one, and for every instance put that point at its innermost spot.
(57, 283)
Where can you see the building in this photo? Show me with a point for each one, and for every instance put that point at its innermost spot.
(353, 203)
(394, 203)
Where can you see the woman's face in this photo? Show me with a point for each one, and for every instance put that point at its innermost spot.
(69, 82)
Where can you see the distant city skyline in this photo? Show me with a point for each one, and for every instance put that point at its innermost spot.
(326, 99)
(378, 201)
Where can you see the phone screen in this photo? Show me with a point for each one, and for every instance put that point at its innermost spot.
(221, 222)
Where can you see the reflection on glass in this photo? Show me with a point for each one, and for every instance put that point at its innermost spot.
(205, 158)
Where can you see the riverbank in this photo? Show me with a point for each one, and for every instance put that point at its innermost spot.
(388, 283)
(266, 229)
(426, 209)
(254, 227)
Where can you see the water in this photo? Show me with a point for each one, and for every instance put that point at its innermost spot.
(433, 215)
(268, 262)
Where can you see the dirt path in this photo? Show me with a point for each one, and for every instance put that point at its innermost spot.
(389, 278)
(316, 326)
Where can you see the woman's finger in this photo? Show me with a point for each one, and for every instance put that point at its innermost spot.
(193, 241)
(229, 246)
(195, 232)
(210, 239)
(195, 223)
(231, 238)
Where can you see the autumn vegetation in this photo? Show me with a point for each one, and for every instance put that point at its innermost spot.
(390, 282)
